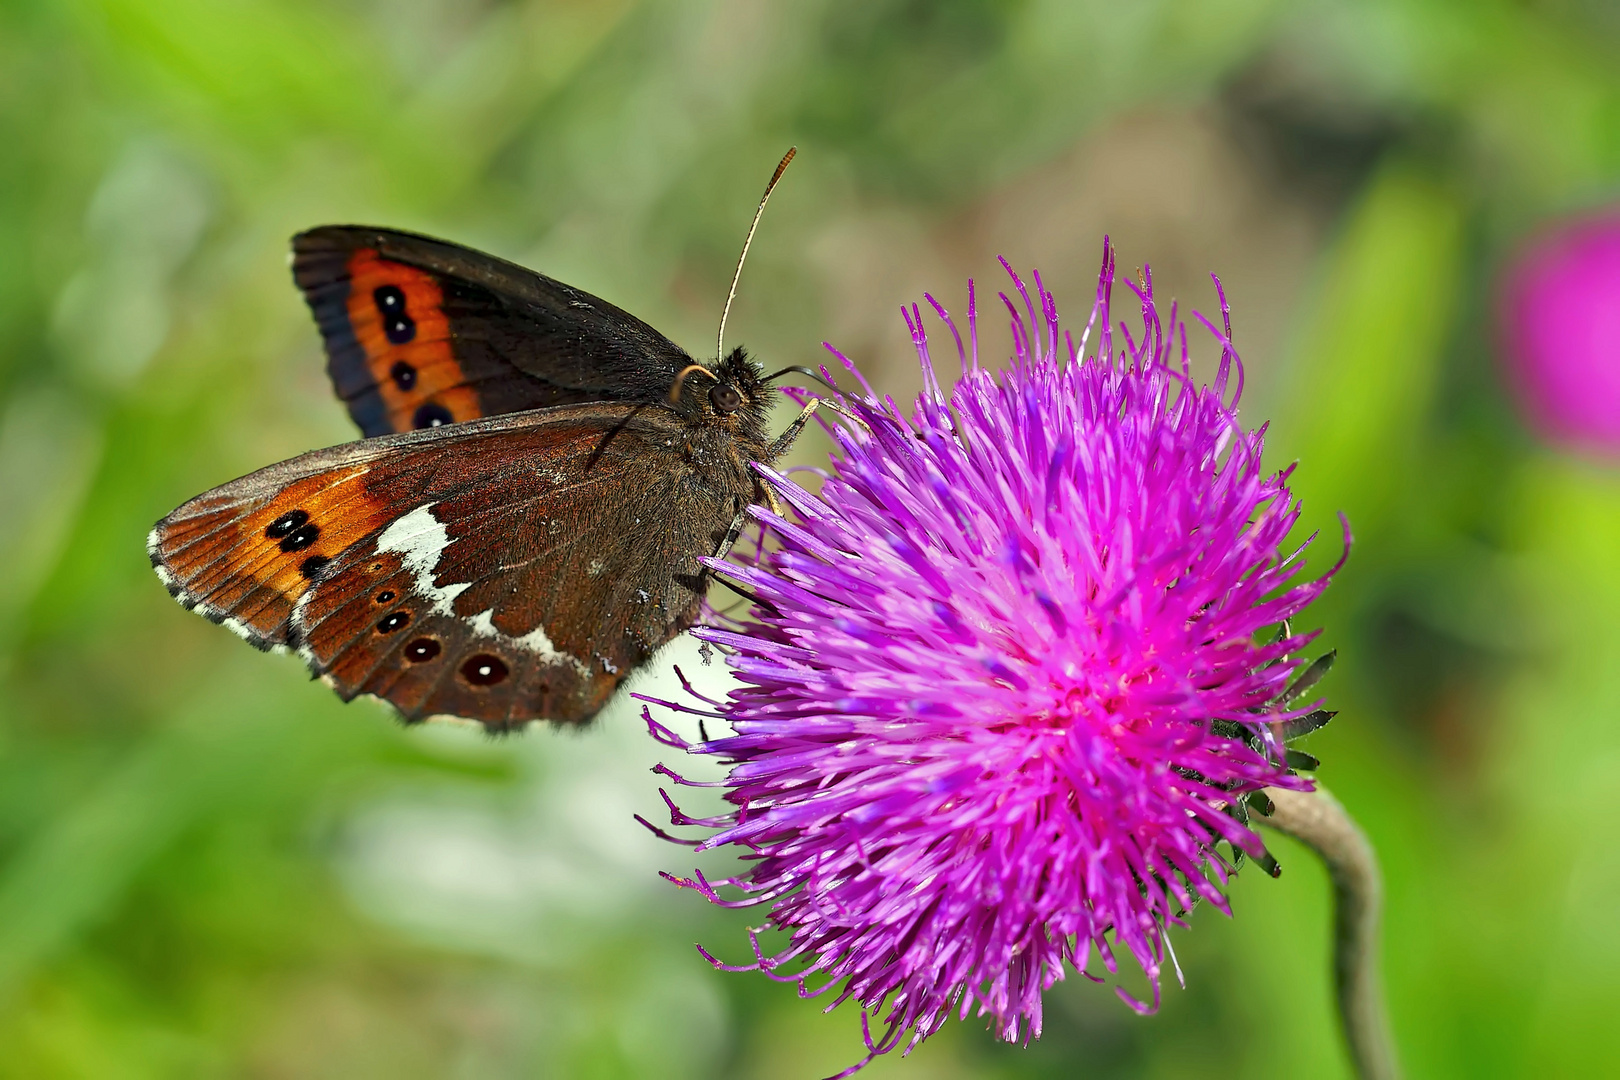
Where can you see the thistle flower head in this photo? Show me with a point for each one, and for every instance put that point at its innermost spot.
(1010, 675)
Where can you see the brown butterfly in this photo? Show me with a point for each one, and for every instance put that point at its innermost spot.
(523, 530)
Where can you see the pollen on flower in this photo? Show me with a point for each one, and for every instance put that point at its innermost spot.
(1012, 674)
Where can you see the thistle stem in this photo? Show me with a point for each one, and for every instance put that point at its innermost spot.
(1317, 820)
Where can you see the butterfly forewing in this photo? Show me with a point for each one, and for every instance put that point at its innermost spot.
(511, 569)
(420, 332)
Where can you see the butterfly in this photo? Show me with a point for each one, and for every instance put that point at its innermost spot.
(522, 527)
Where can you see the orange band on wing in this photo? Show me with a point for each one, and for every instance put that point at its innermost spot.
(253, 567)
(417, 373)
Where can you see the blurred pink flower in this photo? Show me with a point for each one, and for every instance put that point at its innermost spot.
(1561, 332)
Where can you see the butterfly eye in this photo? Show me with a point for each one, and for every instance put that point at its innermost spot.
(725, 399)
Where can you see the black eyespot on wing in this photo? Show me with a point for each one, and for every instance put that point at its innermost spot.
(403, 374)
(399, 327)
(431, 415)
(285, 524)
(400, 331)
(390, 299)
(311, 567)
(422, 650)
(301, 537)
(484, 670)
(395, 621)
(385, 597)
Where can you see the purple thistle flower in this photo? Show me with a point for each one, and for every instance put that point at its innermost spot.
(1004, 688)
(1561, 332)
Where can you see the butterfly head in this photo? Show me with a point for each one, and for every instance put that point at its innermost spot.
(733, 396)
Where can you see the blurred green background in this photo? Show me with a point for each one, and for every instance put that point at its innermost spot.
(209, 867)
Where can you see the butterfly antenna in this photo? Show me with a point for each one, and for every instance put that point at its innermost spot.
(802, 370)
(781, 167)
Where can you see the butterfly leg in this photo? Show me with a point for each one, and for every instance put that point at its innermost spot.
(778, 447)
(780, 444)
(733, 533)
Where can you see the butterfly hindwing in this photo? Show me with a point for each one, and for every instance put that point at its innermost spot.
(421, 332)
(506, 570)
